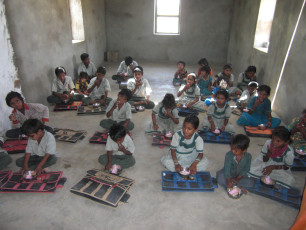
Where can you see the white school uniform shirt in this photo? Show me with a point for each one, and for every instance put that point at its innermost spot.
(98, 92)
(143, 90)
(192, 92)
(123, 68)
(232, 77)
(183, 146)
(113, 146)
(246, 96)
(59, 87)
(31, 110)
(46, 145)
(120, 115)
(91, 70)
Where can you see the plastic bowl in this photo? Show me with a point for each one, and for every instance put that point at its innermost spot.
(234, 193)
(28, 175)
(266, 180)
(262, 127)
(168, 135)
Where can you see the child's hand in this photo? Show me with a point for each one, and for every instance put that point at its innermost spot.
(193, 168)
(12, 117)
(229, 184)
(102, 102)
(155, 127)
(108, 166)
(167, 113)
(38, 170)
(267, 170)
(269, 124)
(189, 105)
(222, 129)
(178, 168)
(269, 152)
(234, 181)
(258, 102)
(121, 148)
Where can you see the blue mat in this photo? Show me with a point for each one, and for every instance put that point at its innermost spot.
(298, 165)
(184, 112)
(202, 182)
(209, 137)
(290, 197)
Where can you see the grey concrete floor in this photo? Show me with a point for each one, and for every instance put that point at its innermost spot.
(148, 207)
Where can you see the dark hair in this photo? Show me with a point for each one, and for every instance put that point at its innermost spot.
(58, 70)
(31, 126)
(304, 111)
(222, 92)
(282, 133)
(128, 60)
(182, 62)
(11, 95)
(84, 56)
(192, 119)
(240, 141)
(101, 70)
(227, 66)
(205, 68)
(169, 101)
(138, 69)
(265, 88)
(117, 131)
(126, 93)
(219, 79)
(203, 61)
(253, 84)
(83, 75)
(193, 75)
(251, 68)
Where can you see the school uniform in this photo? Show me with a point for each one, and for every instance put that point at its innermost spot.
(118, 157)
(123, 68)
(5, 159)
(164, 122)
(285, 157)
(98, 92)
(31, 111)
(233, 168)
(118, 116)
(243, 81)
(233, 89)
(37, 150)
(190, 95)
(218, 116)
(245, 98)
(141, 93)
(186, 150)
(90, 70)
(203, 86)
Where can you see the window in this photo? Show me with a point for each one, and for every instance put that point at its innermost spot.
(77, 25)
(167, 17)
(264, 25)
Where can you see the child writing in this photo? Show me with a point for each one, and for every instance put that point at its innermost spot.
(298, 132)
(165, 116)
(189, 94)
(125, 69)
(62, 88)
(24, 111)
(218, 114)
(251, 91)
(119, 111)
(120, 149)
(246, 77)
(205, 81)
(41, 149)
(5, 159)
(141, 89)
(81, 85)
(181, 73)
(186, 149)
(237, 164)
(98, 89)
(275, 159)
(259, 110)
(87, 66)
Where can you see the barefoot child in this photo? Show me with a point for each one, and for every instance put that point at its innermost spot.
(41, 149)
(120, 149)
(186, 149)
(298, 132)
(205, 81)
(119, 111)
(275, 159)
(190, 94)
(236, 164)
(23, 111)
(165, 116)
(218, 114)
(181, 73)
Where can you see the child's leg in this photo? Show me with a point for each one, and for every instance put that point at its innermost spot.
(220, 178)
(78, 97)
(150, 105)
(199, 105)
(54, 100)
(107, 123)
(206, 124)
(35, 160)
(229, 128)
(202, 165)
(283, 177)
(246, 182)
(130, 125)
(103, 160)
(13, 133)
(86, 100)
(247, 120)
(5, 159)
(124, 161)
(167, 161)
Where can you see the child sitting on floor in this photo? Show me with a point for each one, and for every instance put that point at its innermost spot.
(275, 159)
(236, 164)
(5, 159)
(81, 85)
(63, 88)
(205, 81)
(251, 91)
(23, 111)
(298, 132)
(186, 150)
(246, 77)
(87, 66)
(203, 62)
(259, 110)
(120, 149)
(98, 89)
(189, 94)
(221, 84)
(227, 74)
(218, 114)
(41, 149)
(165, 116)
(125, 69)
(141, 89)
(181, 73)
(119, 111)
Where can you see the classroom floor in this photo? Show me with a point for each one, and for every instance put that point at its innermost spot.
(148, 207)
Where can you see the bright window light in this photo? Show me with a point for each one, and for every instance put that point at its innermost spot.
(264, 24)
(77, 25)
(167, 17)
